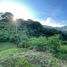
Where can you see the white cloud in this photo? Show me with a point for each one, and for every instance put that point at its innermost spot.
(51, 22)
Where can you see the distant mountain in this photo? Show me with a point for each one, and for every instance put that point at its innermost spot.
(63, 29)
(45, 26)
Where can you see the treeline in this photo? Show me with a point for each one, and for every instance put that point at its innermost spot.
(19, 29)
(32, 35)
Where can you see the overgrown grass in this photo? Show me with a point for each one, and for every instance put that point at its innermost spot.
(10, 52)
(12, 56)
(20, 57)
(62, 52)
(63, 48)
(6, 45)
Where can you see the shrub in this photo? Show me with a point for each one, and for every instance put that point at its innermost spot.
(62, 52)
(45, 43)
(3, 36)
(40, 43)
(54, 42)
(23, 44)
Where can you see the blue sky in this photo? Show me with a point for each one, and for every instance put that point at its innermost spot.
(49, 12)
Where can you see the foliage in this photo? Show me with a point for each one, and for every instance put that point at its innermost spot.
(25, 58)
(45, 44)
(62, 52)
(16, 62)
(16, 31)
(30, 35)
(7, 45)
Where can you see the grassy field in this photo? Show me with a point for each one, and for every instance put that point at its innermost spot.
(11, 56)
(6, 45)
(20, 57)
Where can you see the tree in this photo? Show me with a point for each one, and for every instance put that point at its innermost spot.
(7, 16)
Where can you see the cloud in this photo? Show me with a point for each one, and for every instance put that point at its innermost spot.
(52, 22)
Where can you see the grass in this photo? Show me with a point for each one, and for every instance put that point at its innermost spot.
(27, 58)
(8, 49)
(63, 48)
(9, 53)
(11, 56)
(62, 52)
(6, 45)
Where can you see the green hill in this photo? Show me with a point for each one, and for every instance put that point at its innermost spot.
(27, 43)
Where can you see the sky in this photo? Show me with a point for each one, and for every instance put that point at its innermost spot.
(48, 12)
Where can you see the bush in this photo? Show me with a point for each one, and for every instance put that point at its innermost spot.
(4, 36)
(54, 42)
(23, 44)
(40, 43)
(45, 43)
(62, 52)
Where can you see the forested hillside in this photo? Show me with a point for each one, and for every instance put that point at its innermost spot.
(27, 43)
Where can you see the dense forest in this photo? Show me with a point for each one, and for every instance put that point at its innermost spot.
(27, 43)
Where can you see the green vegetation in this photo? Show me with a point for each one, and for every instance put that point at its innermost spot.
(6, 45)
(29, 44)
(17, 57)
